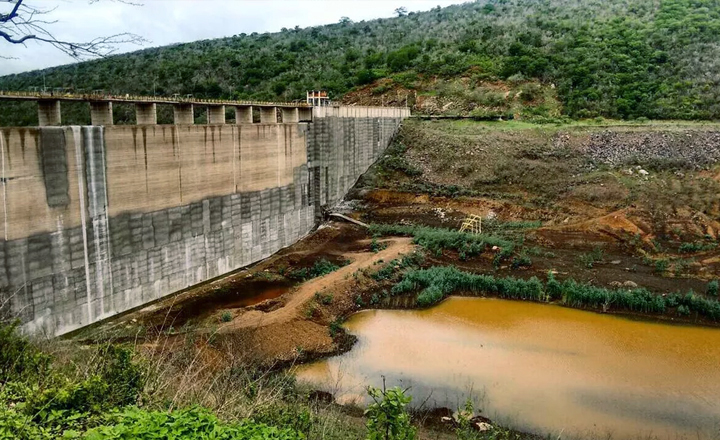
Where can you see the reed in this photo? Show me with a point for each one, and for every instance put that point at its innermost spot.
(436, 283)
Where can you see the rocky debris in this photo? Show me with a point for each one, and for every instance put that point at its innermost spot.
(689, 149)
(627, 284)
(482, 427)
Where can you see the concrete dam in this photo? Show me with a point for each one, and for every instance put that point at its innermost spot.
(98, 220)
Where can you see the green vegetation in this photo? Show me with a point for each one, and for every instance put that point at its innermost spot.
(320, 268)
(436, 240)
(195, 423)
(435, 283)
(226, 316)
(691, 248)
(388, 418)
(376, 246)
(325, 299)
(589, 259)
(712, 288)
(612, 58)
(112, 392)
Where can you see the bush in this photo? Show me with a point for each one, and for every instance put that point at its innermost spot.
(320, 268)
(437, 239)
(226, 316)
(712, 288)
(19, 359)
(195, 423)
(691, 248)
(388, 418)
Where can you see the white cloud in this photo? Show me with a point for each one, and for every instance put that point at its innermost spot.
(165, 22)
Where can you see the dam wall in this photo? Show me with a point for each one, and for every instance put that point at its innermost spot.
(100, 220)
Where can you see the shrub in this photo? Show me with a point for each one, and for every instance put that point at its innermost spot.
(376, 246)
(195, 423)
(661, 265)
(553, 287)
(19, 359)
(437, 239)
(691, 248)
(226, 316)
(588, 260)
(388, 418)
(712, 288)
(320, 268)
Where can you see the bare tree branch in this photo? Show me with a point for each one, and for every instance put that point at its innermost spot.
(25, 23)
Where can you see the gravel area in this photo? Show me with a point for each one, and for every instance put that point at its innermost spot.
(688, 149)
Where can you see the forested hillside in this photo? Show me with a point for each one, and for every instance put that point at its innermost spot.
(658, 59)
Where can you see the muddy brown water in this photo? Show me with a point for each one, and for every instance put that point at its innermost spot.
(229, 297)
(541, 368)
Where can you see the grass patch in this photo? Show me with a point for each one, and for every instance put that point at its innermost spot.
(692, 248)
(589, 259)
(436, 240)
(320, 268)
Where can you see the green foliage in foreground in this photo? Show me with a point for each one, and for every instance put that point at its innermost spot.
(193, 423)
(40, 400)
(436, 240)
(437, 282)
(388, 418)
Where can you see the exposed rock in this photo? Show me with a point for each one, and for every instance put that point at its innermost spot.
(482, 426)
(630, 284)
(695, 150)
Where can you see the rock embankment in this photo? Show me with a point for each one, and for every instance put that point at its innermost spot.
(685, 149)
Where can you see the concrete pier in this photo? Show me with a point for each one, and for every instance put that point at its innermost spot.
(268, 115)
(145, 113)
(183, 114)
(101, 113)
(216, 114)
(290, 116)
(49, 113)
(243, 114)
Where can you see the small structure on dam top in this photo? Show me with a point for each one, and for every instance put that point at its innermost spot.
(101, 219)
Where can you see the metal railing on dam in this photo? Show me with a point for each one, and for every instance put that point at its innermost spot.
(132, 99)
(101, 108)
(98, 220)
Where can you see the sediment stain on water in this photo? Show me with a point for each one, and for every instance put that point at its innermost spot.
(539, 367)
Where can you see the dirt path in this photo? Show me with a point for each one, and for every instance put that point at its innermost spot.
(335, 282)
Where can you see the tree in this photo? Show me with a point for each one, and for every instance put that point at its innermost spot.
(24, 22)
(401, 11)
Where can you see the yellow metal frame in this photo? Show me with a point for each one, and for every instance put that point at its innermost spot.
(472, 224)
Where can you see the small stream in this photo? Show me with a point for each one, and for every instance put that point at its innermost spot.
(536, 367)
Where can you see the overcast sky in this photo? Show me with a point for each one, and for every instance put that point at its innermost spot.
(173, 21)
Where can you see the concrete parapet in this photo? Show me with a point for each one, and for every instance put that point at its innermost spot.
(216, 114)
(290, 115)
(305, 114)
(183, 114)
(243, 114)
(101, 113)
(145, 113)
(49, 113)
(268, 115)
